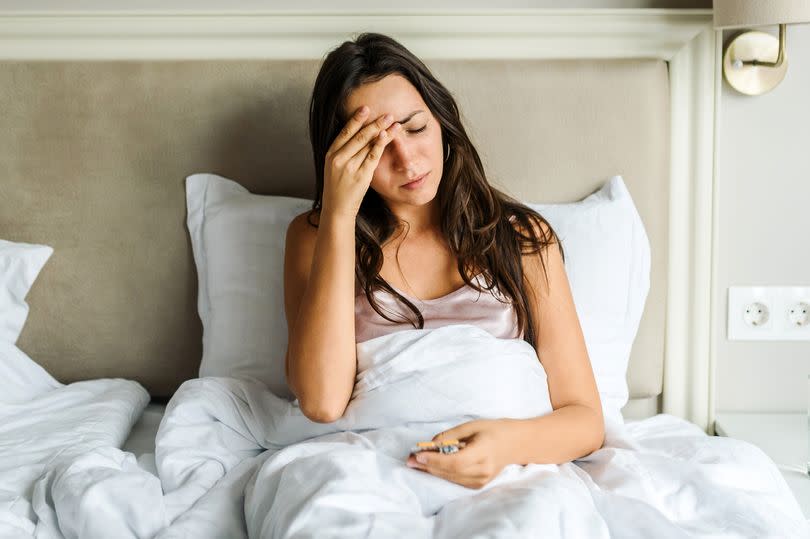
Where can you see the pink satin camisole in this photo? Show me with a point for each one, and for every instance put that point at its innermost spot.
(462, 306)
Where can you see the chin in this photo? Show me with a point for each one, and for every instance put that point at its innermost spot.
(420, 197)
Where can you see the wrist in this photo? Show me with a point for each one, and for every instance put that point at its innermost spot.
(519, 433)
(337, 219)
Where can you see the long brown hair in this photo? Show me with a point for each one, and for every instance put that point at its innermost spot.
(487, 230)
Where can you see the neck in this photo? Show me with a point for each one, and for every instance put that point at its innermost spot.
(419, 220)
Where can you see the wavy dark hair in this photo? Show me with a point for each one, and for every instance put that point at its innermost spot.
(486, 229)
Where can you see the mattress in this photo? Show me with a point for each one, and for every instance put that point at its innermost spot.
(141, 440)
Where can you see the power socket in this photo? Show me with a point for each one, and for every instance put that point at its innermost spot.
(769, 313)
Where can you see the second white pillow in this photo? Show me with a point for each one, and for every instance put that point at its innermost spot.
(607, 261)
(20, 264)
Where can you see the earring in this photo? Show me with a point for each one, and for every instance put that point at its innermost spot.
(447, 154)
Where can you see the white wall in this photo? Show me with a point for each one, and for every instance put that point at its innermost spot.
(763, 165)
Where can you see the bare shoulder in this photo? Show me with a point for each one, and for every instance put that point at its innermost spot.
(301, 225)
(300, 245)
(540, 228)
(539, 267)
(301, 236)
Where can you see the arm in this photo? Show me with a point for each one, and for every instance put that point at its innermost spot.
(569, 432)
(573, 429)
(321, 359)
(576, 426)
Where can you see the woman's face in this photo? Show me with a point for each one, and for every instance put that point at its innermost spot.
(413, 152)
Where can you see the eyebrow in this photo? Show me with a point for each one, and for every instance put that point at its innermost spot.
(408, 117)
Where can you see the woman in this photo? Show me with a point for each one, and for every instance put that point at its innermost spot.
(404, 215)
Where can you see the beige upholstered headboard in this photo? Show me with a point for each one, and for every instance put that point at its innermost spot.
(93, 157)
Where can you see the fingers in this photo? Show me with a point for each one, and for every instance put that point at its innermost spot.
(460, 432)
(439, 462)
(453, 463)
(369, 157)
(365, 136)
(457, 463)
(357, 141)
(348, 131)
(452, 468)
(386, 134)
(470, 466)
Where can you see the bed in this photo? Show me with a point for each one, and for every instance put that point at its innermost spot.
(105, 116)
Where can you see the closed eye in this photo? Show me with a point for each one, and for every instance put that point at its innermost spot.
(417, 130)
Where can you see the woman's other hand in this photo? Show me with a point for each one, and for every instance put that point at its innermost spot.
(351, 161)
(485, 455)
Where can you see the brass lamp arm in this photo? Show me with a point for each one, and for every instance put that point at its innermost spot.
(779, 58)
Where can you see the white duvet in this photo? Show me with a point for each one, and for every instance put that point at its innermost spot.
(45, 425)
(233, 460)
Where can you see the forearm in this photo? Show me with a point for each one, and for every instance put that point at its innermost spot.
(322, 354)
(567, 433)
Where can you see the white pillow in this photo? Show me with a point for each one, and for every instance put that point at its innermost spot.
(238, 242)
(607, 261)
(22, 378)
(20, 263)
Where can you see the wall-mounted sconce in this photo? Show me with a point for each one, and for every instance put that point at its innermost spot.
(756, 62)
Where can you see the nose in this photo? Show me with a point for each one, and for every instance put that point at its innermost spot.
(401, 153)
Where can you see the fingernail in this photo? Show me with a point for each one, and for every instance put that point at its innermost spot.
(421, 458)
(388, 118)
(410, 464)
(363, 110)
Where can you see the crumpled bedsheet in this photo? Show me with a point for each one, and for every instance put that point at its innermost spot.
(234, 460)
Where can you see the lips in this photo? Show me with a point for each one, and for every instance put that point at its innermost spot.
(416, 179)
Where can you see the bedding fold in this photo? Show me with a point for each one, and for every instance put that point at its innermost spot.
(45, 424)
(661, 477)
(234, 460)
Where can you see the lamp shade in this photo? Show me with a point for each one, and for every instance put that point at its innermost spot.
(747, 13)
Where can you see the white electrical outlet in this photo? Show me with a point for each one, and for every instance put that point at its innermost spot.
(769, 313)
(799, 314)
(795, 301)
